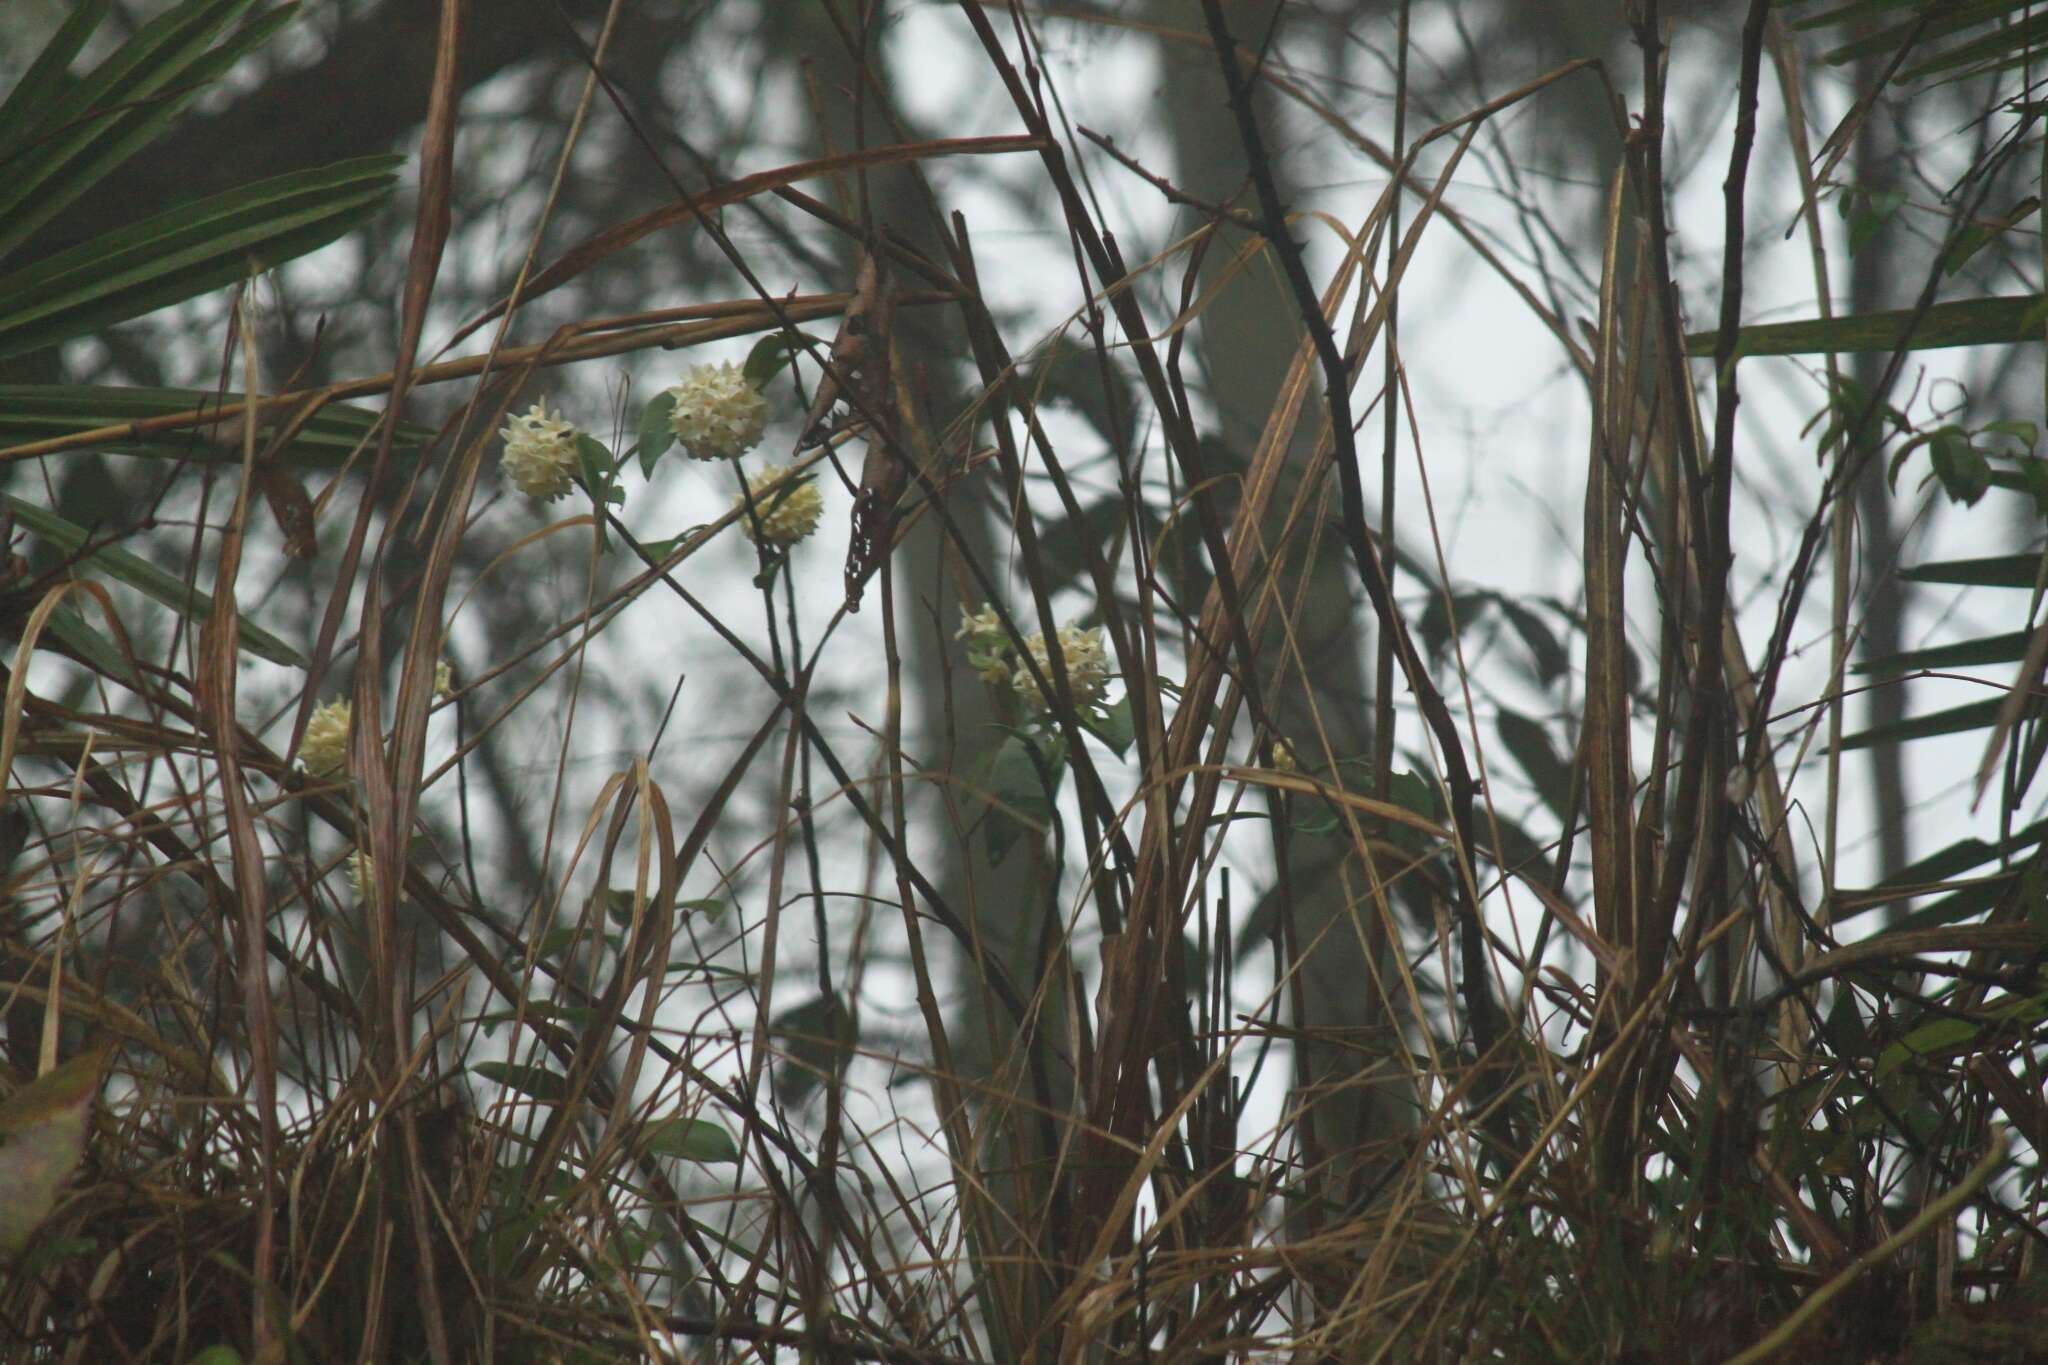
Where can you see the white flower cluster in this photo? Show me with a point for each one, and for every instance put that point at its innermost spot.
(540, 454)
(1087, 665)
(324, 750)
(787, 512)
(719, 414)
(715, 412)
(1081, 649)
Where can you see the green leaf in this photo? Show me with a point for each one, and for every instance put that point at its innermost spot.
(1867, 222)
(1114, 727)
(1970, 322)
(51, 1252)
(1433, 627)
(1530, 743)
(630, 1244)
(1961, 467)
(2009, 648)
(123, 106)
(145, 578)
(771, 564)
(1020, 802)
(697, 1140)
(22, 114)
(1522, 852)
(42, 1137)
(618, 904)
(656, 434)
(1064, 544)
(1923, 23)
(557, 941)
(1843, 1026)
(594, 459)
(815, 1040)
(1975, 715)
(1414, 794)
(1967, 243)
(600, 477)
(2035, 473)
(1899, 458)
(1972, 901)
(1065, 372)
(1318, 819)
(217, 1355)
(1940, 1036)
(550, 1087)
(709, 907)
(1965, 854)
(1549, 656)
(103, 655)
(771, 353)
(550, 1011)
(2005, 47)
(187, 251)
(2034, 895)
(1999, 571)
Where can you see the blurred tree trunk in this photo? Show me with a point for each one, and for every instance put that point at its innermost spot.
(1350, 1089)
(1020, 1078)
(1878, 171)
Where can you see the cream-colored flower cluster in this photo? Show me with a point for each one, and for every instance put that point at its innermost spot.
(540, 453)
(324, 751)
(1087, 665)
(715, 412)
(787, 511)
(719, 414)
(1081, 649)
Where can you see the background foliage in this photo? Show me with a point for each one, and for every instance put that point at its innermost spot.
(1556, 870)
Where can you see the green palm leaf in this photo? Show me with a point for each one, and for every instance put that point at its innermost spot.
(139, 574)
(103, 119)
(187, 251)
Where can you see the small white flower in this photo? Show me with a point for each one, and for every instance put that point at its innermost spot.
(787, 514)
(540, 454)
(1087, 665)
(978, 627)
(719, 414)
(987, 646)
(324, 751)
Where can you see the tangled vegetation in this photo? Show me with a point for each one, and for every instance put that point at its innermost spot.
(1269, 941)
